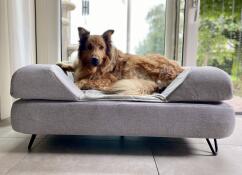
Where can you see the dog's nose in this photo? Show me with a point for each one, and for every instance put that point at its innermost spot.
(94, 61)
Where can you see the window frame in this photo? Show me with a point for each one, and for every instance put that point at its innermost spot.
(191, 29)
(49, 44)
(171, 30)
(48, 31)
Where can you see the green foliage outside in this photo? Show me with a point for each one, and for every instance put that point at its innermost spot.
(220, 38)
(154, 42)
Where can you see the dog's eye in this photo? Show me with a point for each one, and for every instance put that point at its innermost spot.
(101, 47)
(89, 47)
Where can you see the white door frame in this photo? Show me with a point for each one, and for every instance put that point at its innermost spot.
(170, 30)
(48, 31)
(191, 28)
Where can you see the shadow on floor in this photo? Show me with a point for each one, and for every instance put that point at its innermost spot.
(117, 145)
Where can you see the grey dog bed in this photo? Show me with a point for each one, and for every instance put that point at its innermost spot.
(192, 106)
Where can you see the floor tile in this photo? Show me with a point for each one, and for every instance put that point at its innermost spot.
(113, 155)
(74, 155)
(6, 130)
(12, 151)
(179, 159)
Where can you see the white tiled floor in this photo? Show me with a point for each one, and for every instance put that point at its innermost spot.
(111, 155)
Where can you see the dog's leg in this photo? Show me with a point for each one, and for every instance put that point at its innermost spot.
(66, 67)
(102, 84)
(159, 68)
(133, 87)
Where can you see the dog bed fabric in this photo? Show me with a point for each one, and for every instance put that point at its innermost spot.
(207, 84)
(49, 82)
(123, 118)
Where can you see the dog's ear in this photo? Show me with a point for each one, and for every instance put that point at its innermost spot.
(107, 38)
(83, 36)
(83, 32)
(107, 35)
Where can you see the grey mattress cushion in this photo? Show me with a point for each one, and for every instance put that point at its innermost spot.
(123, 118)
(49, 82)
(203, 84)
(43, 82)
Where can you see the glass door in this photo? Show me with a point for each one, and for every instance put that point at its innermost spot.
(220, 41)
(140, 26)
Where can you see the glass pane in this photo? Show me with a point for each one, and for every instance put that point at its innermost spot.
(99, 19)
(140, 28)
(147, 26)
(220, 41)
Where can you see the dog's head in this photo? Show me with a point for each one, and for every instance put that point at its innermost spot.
(94, 50)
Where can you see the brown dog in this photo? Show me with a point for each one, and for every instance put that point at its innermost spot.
(102, 67)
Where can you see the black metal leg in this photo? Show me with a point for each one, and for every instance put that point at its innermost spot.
(31, 141)
(214, 151)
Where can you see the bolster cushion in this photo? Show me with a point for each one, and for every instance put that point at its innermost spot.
(49, 82)
(203, 84)
(46, 82)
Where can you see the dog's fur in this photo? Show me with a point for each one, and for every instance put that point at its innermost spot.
(117, 72)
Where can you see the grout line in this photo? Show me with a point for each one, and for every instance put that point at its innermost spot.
(157, 169)
(26, 154)
(16, 164)
(40, 140)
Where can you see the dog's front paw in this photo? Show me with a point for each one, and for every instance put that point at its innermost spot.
(61, 65)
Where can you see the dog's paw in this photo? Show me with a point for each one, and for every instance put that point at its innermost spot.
(61, 65)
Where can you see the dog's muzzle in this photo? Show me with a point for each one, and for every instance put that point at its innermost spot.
(94, 61)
